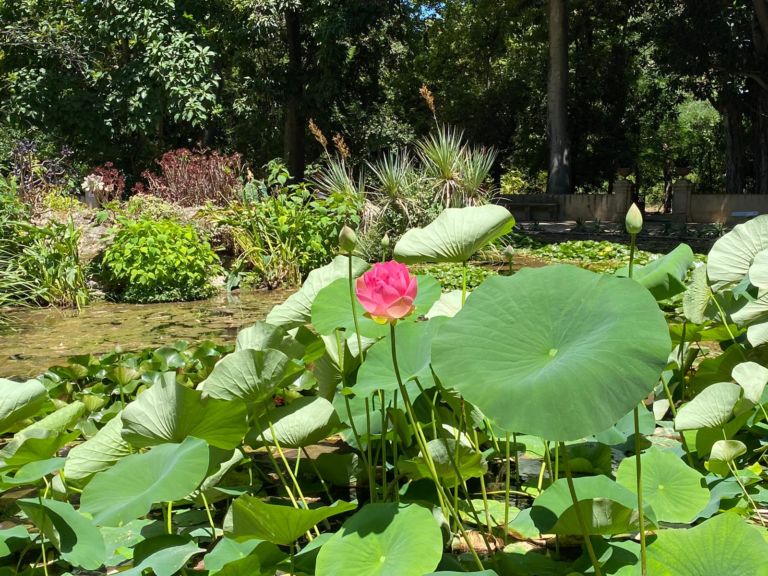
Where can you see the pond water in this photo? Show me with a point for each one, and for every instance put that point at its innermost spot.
(45, 337)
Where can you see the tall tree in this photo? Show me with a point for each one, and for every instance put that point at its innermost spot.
(559, 180)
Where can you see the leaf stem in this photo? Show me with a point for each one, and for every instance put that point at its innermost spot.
(579, 516)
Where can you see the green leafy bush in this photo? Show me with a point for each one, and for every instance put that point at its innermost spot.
(451, 276)
(162, 261)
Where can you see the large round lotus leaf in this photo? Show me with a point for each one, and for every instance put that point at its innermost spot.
(676, 492)
(758, 271)
(732, 256)
(74, 535)
(468, 462)
(383, 540)
(165, 555)
(250, 375)
(664, 277)
(297, 309)
(303, 422)
(170, 412)
(723, 453)
(283, 525)
(557, 352)
(19, 400)
(712, 408)
(128, 489)
(455, 235)
(262, 336)
(97, 453)
(723, 545)
(606, 506)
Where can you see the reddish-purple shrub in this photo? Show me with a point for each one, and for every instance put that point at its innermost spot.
(192, 178)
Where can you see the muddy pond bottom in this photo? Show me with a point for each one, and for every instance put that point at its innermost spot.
(45, 337)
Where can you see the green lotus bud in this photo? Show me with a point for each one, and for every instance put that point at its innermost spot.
(509, 252)
(634, 220)
(385, 242)
(347, 240)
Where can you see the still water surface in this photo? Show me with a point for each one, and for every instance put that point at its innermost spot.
(45, 337)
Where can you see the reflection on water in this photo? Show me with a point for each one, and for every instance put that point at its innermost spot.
(49, 336)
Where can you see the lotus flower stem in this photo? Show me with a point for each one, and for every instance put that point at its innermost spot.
(724, 318)
(506, 487)
(517, 460)
(384, 483)
(208, 514)
(319, 476)
(463, 283)
(445, 504)
(169, 517)
(476, 445)
(579, 516)
(369, 447)
(394, 449)
(352, 302)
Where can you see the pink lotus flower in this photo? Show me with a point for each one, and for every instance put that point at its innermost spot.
(387, 291)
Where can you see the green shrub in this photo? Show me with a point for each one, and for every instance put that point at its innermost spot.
(158, 261)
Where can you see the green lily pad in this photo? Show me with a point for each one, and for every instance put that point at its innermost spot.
(12, 540)
(722, 545)
(723, 453)
(414, 347)
(98, 453)
(448, 305)
(470, 463)
(664, 277)
(228, 550)
(455, 235)
(752, 377)
(303, 422)
(248, 375)
(263, 336)
(169, 412)
(606, 506)
(34, 472)
(383, 540)
(19, 400)
(165, 555)
(557, 352)
(74, 536)
(128, 489)
(676, 492)
(297, 309)
(712, 408)
(283, 525)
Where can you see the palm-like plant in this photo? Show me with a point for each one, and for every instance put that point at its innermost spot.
(395, 182)
(476, 165)
(336, 179)
(441, 154)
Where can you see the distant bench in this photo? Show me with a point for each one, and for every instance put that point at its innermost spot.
(745, 214)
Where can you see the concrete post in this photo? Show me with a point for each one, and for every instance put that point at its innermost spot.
(622, 190)
(681, 200)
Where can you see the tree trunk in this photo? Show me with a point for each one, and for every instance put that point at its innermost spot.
(760, 99)
(734, 146)
(294, 117)
(559, 180)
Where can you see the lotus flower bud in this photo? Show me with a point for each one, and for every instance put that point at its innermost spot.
(347, 240)
(634, 219)
(509, 252)
(385, 242)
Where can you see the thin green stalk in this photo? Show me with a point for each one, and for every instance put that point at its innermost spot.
(463, 283)
(394, 449)
(319, 476)
(42, 534)
(279, 472)
(638, 455)
(210, 517)
(476, 446)
(384, 483)
(517, 460)
(169, 518)
(681, 361)
(371, 473)
(445, 504)
(724, 318)
(579, 516)
(506, 488)
(354, 309)
(674, 415)
(548, 459)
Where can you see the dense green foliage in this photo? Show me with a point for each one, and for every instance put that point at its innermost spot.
(158, 261)
(649, 88)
